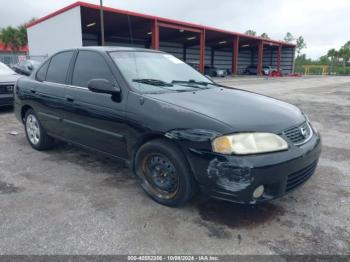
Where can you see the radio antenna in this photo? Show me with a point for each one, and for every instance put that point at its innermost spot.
(102, 24)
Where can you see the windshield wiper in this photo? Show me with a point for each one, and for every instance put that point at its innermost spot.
(191, 81)
(153, 82)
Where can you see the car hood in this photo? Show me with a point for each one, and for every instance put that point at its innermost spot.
(9, 78)
(243, 111)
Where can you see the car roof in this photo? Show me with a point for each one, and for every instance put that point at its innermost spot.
(113, 48)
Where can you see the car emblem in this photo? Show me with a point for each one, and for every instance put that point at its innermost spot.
(303, 131)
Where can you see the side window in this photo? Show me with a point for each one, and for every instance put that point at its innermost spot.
(58, 68)
(90, 65)
(41, 74)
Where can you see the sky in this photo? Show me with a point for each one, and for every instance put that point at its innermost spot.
(324, 24)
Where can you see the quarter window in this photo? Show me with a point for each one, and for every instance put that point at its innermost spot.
(90, 65)
(41, 74)
(58, 68)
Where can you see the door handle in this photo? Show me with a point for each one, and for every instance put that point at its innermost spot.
(69, 99)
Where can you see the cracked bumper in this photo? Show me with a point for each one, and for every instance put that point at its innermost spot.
(234, 178)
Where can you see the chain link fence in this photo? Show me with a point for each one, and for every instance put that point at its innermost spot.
(12, 59)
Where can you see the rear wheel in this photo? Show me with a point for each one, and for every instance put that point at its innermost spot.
(35, 133)
(164, 173)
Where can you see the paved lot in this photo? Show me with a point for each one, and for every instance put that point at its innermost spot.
(71, 201)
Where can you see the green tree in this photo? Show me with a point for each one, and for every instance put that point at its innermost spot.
(250, 32)
(300, 44)
(10, 37)
(344, 54)
(332, 53)
(264, 35)
(22, 35)
(15, 37)
(324, 60)
(289, 37)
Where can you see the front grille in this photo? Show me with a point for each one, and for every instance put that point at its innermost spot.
(296, 179)
(300, 134)
(6, 89)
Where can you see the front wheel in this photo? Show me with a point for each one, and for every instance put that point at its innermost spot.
(164, 173)
(35, 133)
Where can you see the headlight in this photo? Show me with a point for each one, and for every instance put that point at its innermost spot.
(249, 143)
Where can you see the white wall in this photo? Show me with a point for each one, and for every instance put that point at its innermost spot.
(56, 33)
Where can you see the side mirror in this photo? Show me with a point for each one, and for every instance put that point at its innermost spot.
(103, 86)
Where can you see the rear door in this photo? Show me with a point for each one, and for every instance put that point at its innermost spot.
(92, 119)
(49, 91)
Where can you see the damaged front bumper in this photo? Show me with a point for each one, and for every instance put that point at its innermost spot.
(234, 178)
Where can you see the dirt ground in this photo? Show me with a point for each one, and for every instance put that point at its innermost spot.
(70, 201)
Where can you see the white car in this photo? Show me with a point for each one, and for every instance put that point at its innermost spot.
(8, 78)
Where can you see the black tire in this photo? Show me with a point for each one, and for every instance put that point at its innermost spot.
(173, 167)
(41, 142)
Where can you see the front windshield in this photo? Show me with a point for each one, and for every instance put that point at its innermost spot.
(151, 72)
(5, 70)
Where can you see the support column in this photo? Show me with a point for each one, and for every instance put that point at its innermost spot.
(235, 52)
(212, 56)
(202, 52)
(155, 35)
(184, 53)
(279, 57)
(260, 57)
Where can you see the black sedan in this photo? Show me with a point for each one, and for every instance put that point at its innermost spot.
(177, 130)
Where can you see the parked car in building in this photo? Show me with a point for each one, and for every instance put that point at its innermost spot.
(177, 130)
(194, 65)
(269, 70)
(266, 70)
(250, 70)
(8, 79)
(26, 67)
(215, 72)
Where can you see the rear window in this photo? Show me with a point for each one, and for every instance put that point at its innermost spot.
(58, 68)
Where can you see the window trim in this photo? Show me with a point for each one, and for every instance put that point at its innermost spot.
(70, 80)
(50, 60)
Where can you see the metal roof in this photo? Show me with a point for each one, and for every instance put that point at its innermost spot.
(159, 19)
(115, 48)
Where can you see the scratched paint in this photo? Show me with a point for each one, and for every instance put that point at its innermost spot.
(232, 176)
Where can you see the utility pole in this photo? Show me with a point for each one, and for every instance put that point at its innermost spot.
(102, 24)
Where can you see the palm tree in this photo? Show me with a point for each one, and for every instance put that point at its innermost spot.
(264, 35)
(300, 44)
(22, 35)
(10, 38)
(250, 32)
(289, 37)
(344, 53)
(14, 38)
(333, 54)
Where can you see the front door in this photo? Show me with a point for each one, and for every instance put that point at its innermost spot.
(92, 119)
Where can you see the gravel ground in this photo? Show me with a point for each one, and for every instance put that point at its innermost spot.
(70, 201)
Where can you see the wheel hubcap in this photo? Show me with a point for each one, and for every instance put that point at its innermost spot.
(33, 130)
(160, 176)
